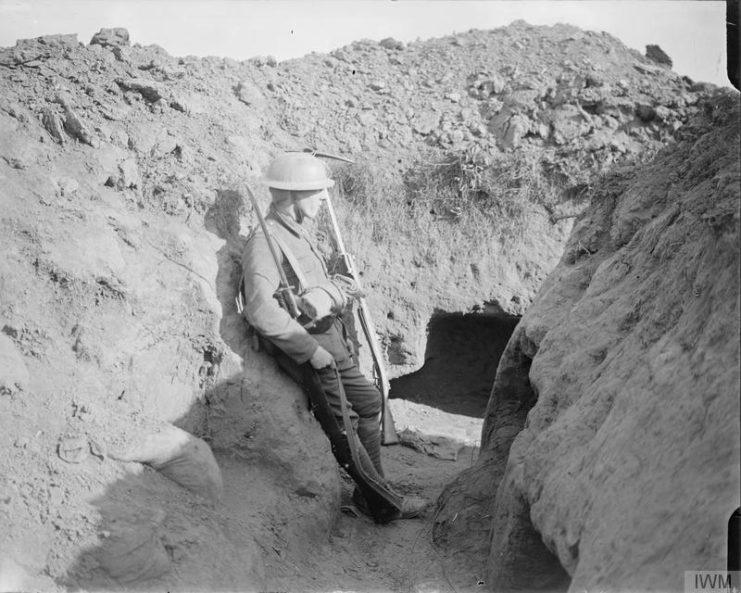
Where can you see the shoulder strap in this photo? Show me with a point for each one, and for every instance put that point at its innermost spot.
(292, 261)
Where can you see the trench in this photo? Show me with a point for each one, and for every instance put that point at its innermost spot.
(265, 535)
(518, 557)
(460, 362)
(462, 375)
(461, 358)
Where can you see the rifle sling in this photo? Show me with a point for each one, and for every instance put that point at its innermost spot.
(292, 261)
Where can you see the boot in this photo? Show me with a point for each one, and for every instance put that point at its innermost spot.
(412, 507)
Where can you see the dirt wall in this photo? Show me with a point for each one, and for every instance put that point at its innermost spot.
(616, 404)
(123, 215)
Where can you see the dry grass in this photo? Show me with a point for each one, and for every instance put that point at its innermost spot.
(442, 202)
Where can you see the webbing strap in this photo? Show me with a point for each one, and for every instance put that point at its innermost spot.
(292, 261)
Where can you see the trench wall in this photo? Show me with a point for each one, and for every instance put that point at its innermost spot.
(611, 437)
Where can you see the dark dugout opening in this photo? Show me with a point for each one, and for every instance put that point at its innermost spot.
(461, 360)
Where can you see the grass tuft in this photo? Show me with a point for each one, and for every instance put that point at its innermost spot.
(445, 198)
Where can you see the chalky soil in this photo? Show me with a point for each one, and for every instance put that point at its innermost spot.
(362, 556)
(438, 411)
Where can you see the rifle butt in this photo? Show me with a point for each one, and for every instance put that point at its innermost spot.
(388, 432)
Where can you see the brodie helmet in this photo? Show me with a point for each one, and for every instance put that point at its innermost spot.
(297, 171)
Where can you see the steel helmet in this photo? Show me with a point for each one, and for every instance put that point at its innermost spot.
(297, 171)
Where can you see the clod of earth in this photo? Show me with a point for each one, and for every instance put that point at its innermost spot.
(73, 449)
(180, 456)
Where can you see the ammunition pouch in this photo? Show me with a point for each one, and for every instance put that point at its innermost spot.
(323, 300)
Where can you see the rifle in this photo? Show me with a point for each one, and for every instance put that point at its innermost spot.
(384, 504)
(286, 293)
(389, 436)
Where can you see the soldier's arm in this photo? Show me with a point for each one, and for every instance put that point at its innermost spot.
(262, 310)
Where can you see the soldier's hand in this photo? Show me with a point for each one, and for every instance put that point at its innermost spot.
(348, 286)
(321, 359)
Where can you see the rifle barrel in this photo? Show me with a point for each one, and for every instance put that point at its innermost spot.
(389, 433)
(337, 234)
(285, 288)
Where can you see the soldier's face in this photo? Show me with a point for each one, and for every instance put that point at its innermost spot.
(310, 202)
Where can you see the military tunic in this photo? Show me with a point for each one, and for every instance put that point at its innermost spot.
(295, 344)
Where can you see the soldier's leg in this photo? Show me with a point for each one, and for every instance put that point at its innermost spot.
(372, 493)
(370, 446)
(362, 395)
(365, 400)
(381, 501)
(369, 453)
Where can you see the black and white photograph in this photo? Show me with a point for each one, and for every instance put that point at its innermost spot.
(370, 296)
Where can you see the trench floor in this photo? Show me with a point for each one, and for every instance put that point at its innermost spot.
(360, 556)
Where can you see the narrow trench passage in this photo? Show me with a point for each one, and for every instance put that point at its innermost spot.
(462, 355)
(461, 359)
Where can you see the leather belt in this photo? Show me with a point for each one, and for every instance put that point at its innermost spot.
(322, 325)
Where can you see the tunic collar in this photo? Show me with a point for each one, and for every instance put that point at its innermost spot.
(287, 221)
(290, 224)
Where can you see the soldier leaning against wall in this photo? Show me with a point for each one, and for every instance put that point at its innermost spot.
(294, 306)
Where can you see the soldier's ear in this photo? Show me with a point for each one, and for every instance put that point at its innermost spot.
(280, 196)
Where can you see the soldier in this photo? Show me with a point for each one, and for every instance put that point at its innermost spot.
(312, 346)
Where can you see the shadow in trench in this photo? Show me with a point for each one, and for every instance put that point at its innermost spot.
(461, 359)
(157, 534)
(481, 518)
(152, 533)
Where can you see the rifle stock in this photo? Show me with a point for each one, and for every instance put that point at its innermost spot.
(389, 436)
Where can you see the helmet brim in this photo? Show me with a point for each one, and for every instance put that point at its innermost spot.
(299, 185)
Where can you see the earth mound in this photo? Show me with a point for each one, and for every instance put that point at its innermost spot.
(126, 371)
